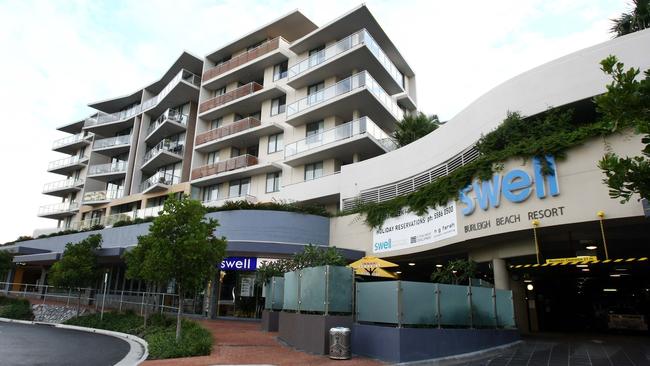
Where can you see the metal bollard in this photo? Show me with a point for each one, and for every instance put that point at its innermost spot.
(340, 343)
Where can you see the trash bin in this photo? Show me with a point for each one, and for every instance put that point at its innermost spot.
(340, 343)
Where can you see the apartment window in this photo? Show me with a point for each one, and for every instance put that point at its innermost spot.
(255, 45)
(257, 115)
(273, 182)
(253, 150)
(216, 123)
(223, 60)
(210, 193)
(280, 70)
(115, 189)
(234, 152)
(278, 105)
(239, 187)
(314, 131)
(275, 143)
(213, 157)
(315, 93)
(313, 171)
(220, 91)
(316, 55)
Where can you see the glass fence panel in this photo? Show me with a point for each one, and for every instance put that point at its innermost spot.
(290, 296)
(454, 305)
(377, 302)
(418, 303)
(340, 289)
(312, 289)
(482, 307)
(274, 294)
(505, 309)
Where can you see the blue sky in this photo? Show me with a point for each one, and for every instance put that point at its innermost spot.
(60, 55)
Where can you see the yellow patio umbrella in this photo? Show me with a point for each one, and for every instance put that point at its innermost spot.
(373, 266)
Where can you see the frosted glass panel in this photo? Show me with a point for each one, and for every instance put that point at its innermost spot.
(377, 302)
(340, 291)
(483, 307)
(418, 303)
(274, 291)
(454, 305)
(505, 309)
(291, 291)
(312, 289)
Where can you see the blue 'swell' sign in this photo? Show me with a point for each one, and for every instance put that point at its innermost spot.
(238, 264)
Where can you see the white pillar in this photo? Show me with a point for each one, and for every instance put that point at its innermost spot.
(501, 278)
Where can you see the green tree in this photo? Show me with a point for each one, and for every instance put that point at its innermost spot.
(180, 247)
(5, 263)
(455, 272)
(313, 256)
(77, 268)
(626, 105)
(635, 20)
(414, 126)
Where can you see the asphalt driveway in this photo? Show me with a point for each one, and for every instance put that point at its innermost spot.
(23, 344)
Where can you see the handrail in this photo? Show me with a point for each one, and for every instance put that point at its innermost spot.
(169, 115)
(114, 167)
(241, 161)
(112, 141)
(72, 160)
(68, 140)
(243, 58)
(240, 92)
(159, 178)
(60, 184)
(229, 129)
(103, 195)
(172, 147)
(58, 207)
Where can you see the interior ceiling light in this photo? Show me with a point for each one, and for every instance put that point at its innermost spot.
(398, 272)
(438, 265)
(582, 265)
(621, 269)
(585, 270)
(528, 281)
(411, 264)
(615, 275)
(591, 247)
(610, 290)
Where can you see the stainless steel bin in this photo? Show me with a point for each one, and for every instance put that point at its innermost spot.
(340, 343)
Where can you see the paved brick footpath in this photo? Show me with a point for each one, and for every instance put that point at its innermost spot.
(241, 343)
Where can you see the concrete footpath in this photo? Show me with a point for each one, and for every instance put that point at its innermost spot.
(243, 343)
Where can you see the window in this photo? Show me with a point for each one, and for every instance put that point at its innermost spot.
(213, 157)
(314, 131)
(220, 91)
(255, 45)
(216, 123)
(239, 187)
(275, 143)
(253, 150)
(316, 56)
(223, 60)
(313, 171)
(257, 115)
(273, 182)
(115, 189)
(280, 70)
(315, 93)
(278, 105)
(210, 193)
(234, 152)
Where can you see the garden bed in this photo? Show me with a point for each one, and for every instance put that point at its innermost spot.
(19, 309)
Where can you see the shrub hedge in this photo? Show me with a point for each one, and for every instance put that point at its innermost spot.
(19, 309)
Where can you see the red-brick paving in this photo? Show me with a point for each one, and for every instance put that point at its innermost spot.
(240, 342)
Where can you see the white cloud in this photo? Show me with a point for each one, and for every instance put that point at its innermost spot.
(59, 56)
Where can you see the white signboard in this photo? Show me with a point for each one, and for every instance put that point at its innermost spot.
(409, 230)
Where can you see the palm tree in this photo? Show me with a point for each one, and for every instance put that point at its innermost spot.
(636, 20)
(414, 126)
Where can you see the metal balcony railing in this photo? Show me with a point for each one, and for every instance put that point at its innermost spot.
(159, 178)
(354, 82)
(243, 58)
(55, 208)
(73, 160)
(62, 184)
(360, 37)
(112, 141)
(114, 167)
(169, 115)
(172, 147)
(229, 129)
(222, 99)
(68, 140)
(363, 125)
(241, 161)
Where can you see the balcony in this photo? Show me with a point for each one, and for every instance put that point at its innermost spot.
(110, 171)
(183, 87)
(222, 201)
(361, 136)
(62, 188)
(358, 50)
(164, 153)
(159, 182)
(169, 123)
(244, 132)
(113, 145)
(242, 166)
(243, 100)
(58, 210)
(67, 165)
(359, 91)
(102, 197)
(71, 144)
(248, 64)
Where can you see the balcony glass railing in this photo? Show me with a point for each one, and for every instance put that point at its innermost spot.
(221, 201)
(243, 58)
(241, 161)
(360, 37)
(169, 115)
(73, 160)
(62, 207)
(345, 131)
(103, 195)
(112, 142)
(222, 99)
(354, 82)
(159, 178)
(114, 167)
(101, 117)
(229, 129)
(172, 147)
(62, 184)
(68, 140)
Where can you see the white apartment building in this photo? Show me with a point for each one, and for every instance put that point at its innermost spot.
(266, 117)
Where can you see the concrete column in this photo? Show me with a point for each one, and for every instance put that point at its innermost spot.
(355, 114)
(355, 157)
(41, 280)
(501, 278)
(9, 280)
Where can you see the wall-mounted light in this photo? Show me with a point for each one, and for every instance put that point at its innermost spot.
(530, 287)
